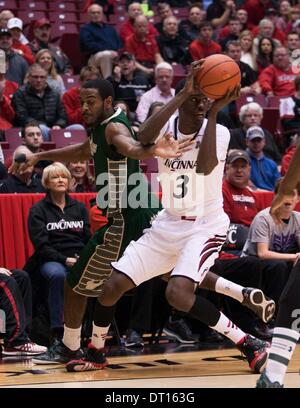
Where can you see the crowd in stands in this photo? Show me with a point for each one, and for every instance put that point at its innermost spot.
(143, 48)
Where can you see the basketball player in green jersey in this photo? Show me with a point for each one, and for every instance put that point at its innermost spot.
(115, 151)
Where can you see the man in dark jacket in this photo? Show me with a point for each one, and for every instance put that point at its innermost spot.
(99, 40)
(37, 101)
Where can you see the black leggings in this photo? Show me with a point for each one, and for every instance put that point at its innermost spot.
(289, 302)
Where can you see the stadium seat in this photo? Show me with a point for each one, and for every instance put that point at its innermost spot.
(63, 137)
(70, 81)
(179, 73)
(58, 29)
(65, 7)
(13, 137)
(63, 17)
(270, 119)
(48, 145)
(244, 99)
(28, 16)
(33, 5)
(4, 145)
(8, 5)
(70, 45)
(274, 101)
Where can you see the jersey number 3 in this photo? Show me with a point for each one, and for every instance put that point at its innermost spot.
(183, 182)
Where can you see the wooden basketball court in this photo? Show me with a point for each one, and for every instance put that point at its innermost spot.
(180, 367)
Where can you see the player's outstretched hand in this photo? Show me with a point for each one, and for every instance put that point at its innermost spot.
(230, 96)
(22, 162)
(168, 147)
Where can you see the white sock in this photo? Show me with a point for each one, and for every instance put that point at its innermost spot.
(228, 329)
(230, 289)
(99, 336)
(71, 338)
(283, 344)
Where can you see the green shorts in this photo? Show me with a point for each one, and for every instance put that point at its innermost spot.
(107, 245)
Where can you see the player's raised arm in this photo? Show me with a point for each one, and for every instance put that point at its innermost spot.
(207, 155)
(150, 129)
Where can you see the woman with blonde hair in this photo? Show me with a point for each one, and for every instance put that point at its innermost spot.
(45, 59)
(248, 55)
(58, 228)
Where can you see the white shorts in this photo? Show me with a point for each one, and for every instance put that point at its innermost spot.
(187, 248)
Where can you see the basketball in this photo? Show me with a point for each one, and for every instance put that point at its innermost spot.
(218, 73)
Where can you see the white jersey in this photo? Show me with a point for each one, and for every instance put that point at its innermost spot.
(184, 192)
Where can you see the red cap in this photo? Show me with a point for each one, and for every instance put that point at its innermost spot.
(41, 22)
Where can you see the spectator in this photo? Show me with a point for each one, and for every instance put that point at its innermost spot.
(161, 92)
(25, 182)
(7, 113)
(55, 251)
(242, 15)
(130, 115)
(191, 26)
(289, 109)
(128, 82)
(251, 114)
(127, 29)
(283, 22)
(42, 40)
(204, 46)
(248, 55)
(278, 78)
(15, 25)
(266, 47)
(289, 153)
(268, 240)
(164, 10)
(219, 12)
(17, 66)
(249, 84)
(37, 101)
(172, 46)
(82, 180)
(45, 59)
(16, 302)
(264, 172)
(143, 46)
(293, 41)
(239, 201)
(267, 27)
(71, 98)
(235, 28)
(99, 41)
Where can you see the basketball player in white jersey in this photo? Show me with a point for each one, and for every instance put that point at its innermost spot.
(186, 236)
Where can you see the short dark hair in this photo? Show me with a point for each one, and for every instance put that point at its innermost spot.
(104, 87)
(29, 124)
(205, 23)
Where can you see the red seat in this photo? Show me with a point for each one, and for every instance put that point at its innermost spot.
(58, 29)
(4, 145)
(150, 165)
(274, 101)
(181, 13)
(270, 119)
(70, 45)
(33, 5)
(244, 99)
(179, 73)
(64, 137)
(8, 5)
(63, 6)
(63, 17)
(48, 145)
(71, 80)
(28, 16)
(14, 137)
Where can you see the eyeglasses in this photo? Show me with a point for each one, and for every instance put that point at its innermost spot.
(38, 76)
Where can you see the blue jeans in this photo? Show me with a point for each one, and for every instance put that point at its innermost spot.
(55, 274)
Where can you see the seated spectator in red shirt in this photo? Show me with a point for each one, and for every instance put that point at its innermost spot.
(289, 109)
(286, 159)
(278, 78)
(204, 45)
(71, 98)
(143, 46)
(127, 29)
(7, 112)
(15, 25)
(239, 201)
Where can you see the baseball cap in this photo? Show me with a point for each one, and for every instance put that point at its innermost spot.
(255, 131)
(271, 12)
(15, 23)
(41, 22)
(236, 155)
(5, 31)
(127, 55)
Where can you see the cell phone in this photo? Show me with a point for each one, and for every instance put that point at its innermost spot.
(2, 62)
